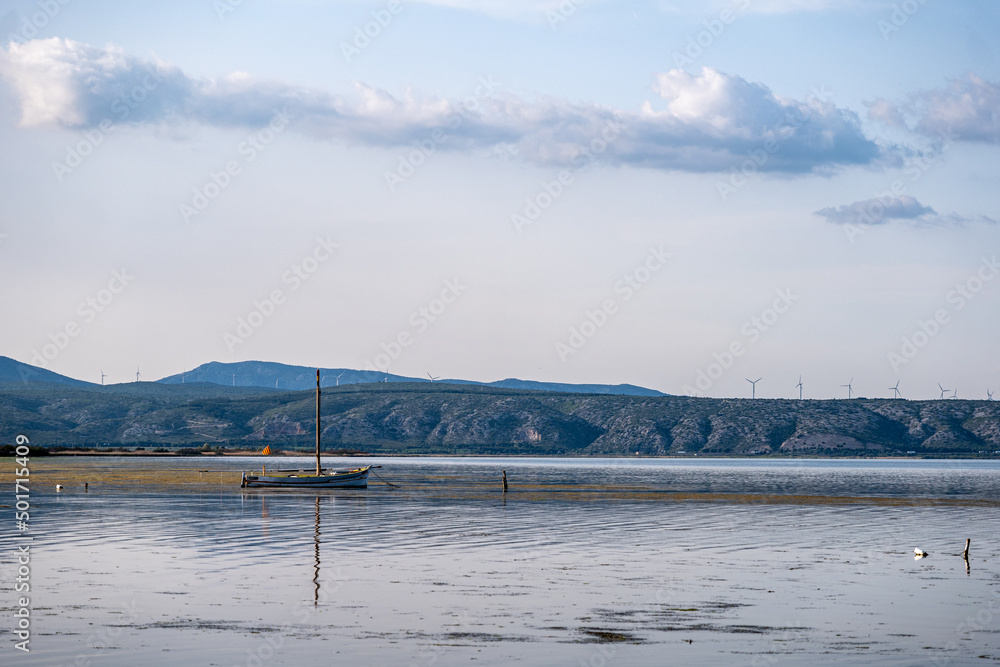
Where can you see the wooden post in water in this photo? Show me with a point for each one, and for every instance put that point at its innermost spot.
(505, 481)
(965, 554)
(319, 467)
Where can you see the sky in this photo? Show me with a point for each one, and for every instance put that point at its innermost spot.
(680, 195)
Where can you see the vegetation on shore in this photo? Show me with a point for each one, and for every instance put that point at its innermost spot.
(425, 418)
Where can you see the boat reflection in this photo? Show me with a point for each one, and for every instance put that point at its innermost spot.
(316, 557)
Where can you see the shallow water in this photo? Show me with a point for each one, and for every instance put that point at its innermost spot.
(596, 562)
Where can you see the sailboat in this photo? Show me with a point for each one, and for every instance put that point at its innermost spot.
(324, 478)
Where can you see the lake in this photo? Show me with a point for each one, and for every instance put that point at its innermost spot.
(166, 561)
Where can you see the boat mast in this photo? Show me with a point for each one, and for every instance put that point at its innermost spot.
(319, 467)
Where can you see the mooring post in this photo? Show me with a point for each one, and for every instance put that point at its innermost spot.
(965, 554)
(505, 481)
(86, 487)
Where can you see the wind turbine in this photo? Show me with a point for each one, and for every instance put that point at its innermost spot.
(103, 376)
(433, 379)
(955, 394)
(848, 385)
(943, 390)
(896, 389)
(799, 385)
(338, 378)
(989, 395)
(753, 383)
(136, 373)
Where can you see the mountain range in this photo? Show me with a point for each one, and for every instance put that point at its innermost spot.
(12, 371)
(283, 376)
(273, 375)
(424, 417)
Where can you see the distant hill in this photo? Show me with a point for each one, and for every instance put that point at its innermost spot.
(274, 404)
(440, 418)
(15, 372)
(283, 376)
(532, 385)
(278, 376)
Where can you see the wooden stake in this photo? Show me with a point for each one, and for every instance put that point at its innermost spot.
(965, 554)
(505, 481)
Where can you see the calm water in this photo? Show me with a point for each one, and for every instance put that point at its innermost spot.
(585, 562)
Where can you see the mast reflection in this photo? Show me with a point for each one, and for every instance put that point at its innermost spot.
(316, 557)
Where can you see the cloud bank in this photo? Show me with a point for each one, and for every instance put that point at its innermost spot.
(967, 110)
(701, 122)
(883, 210)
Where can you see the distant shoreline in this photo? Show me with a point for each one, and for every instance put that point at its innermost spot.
(439, 419)
(189, 453)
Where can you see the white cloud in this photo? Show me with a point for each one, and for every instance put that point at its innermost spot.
(886, 112)
(967, 109)
(883, 210)
(62, 82)
(701, 122)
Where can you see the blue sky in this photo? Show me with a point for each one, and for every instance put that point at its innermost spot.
(674, 194)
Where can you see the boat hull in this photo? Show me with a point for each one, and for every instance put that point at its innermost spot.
(341, 479)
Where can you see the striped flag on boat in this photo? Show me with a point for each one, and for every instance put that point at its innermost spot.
(267, 450)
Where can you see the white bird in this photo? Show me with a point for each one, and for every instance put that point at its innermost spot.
(58, 487)
(919, 553)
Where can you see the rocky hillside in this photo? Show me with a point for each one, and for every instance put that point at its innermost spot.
(438, 418)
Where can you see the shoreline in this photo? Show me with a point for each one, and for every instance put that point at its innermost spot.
(189, 453)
